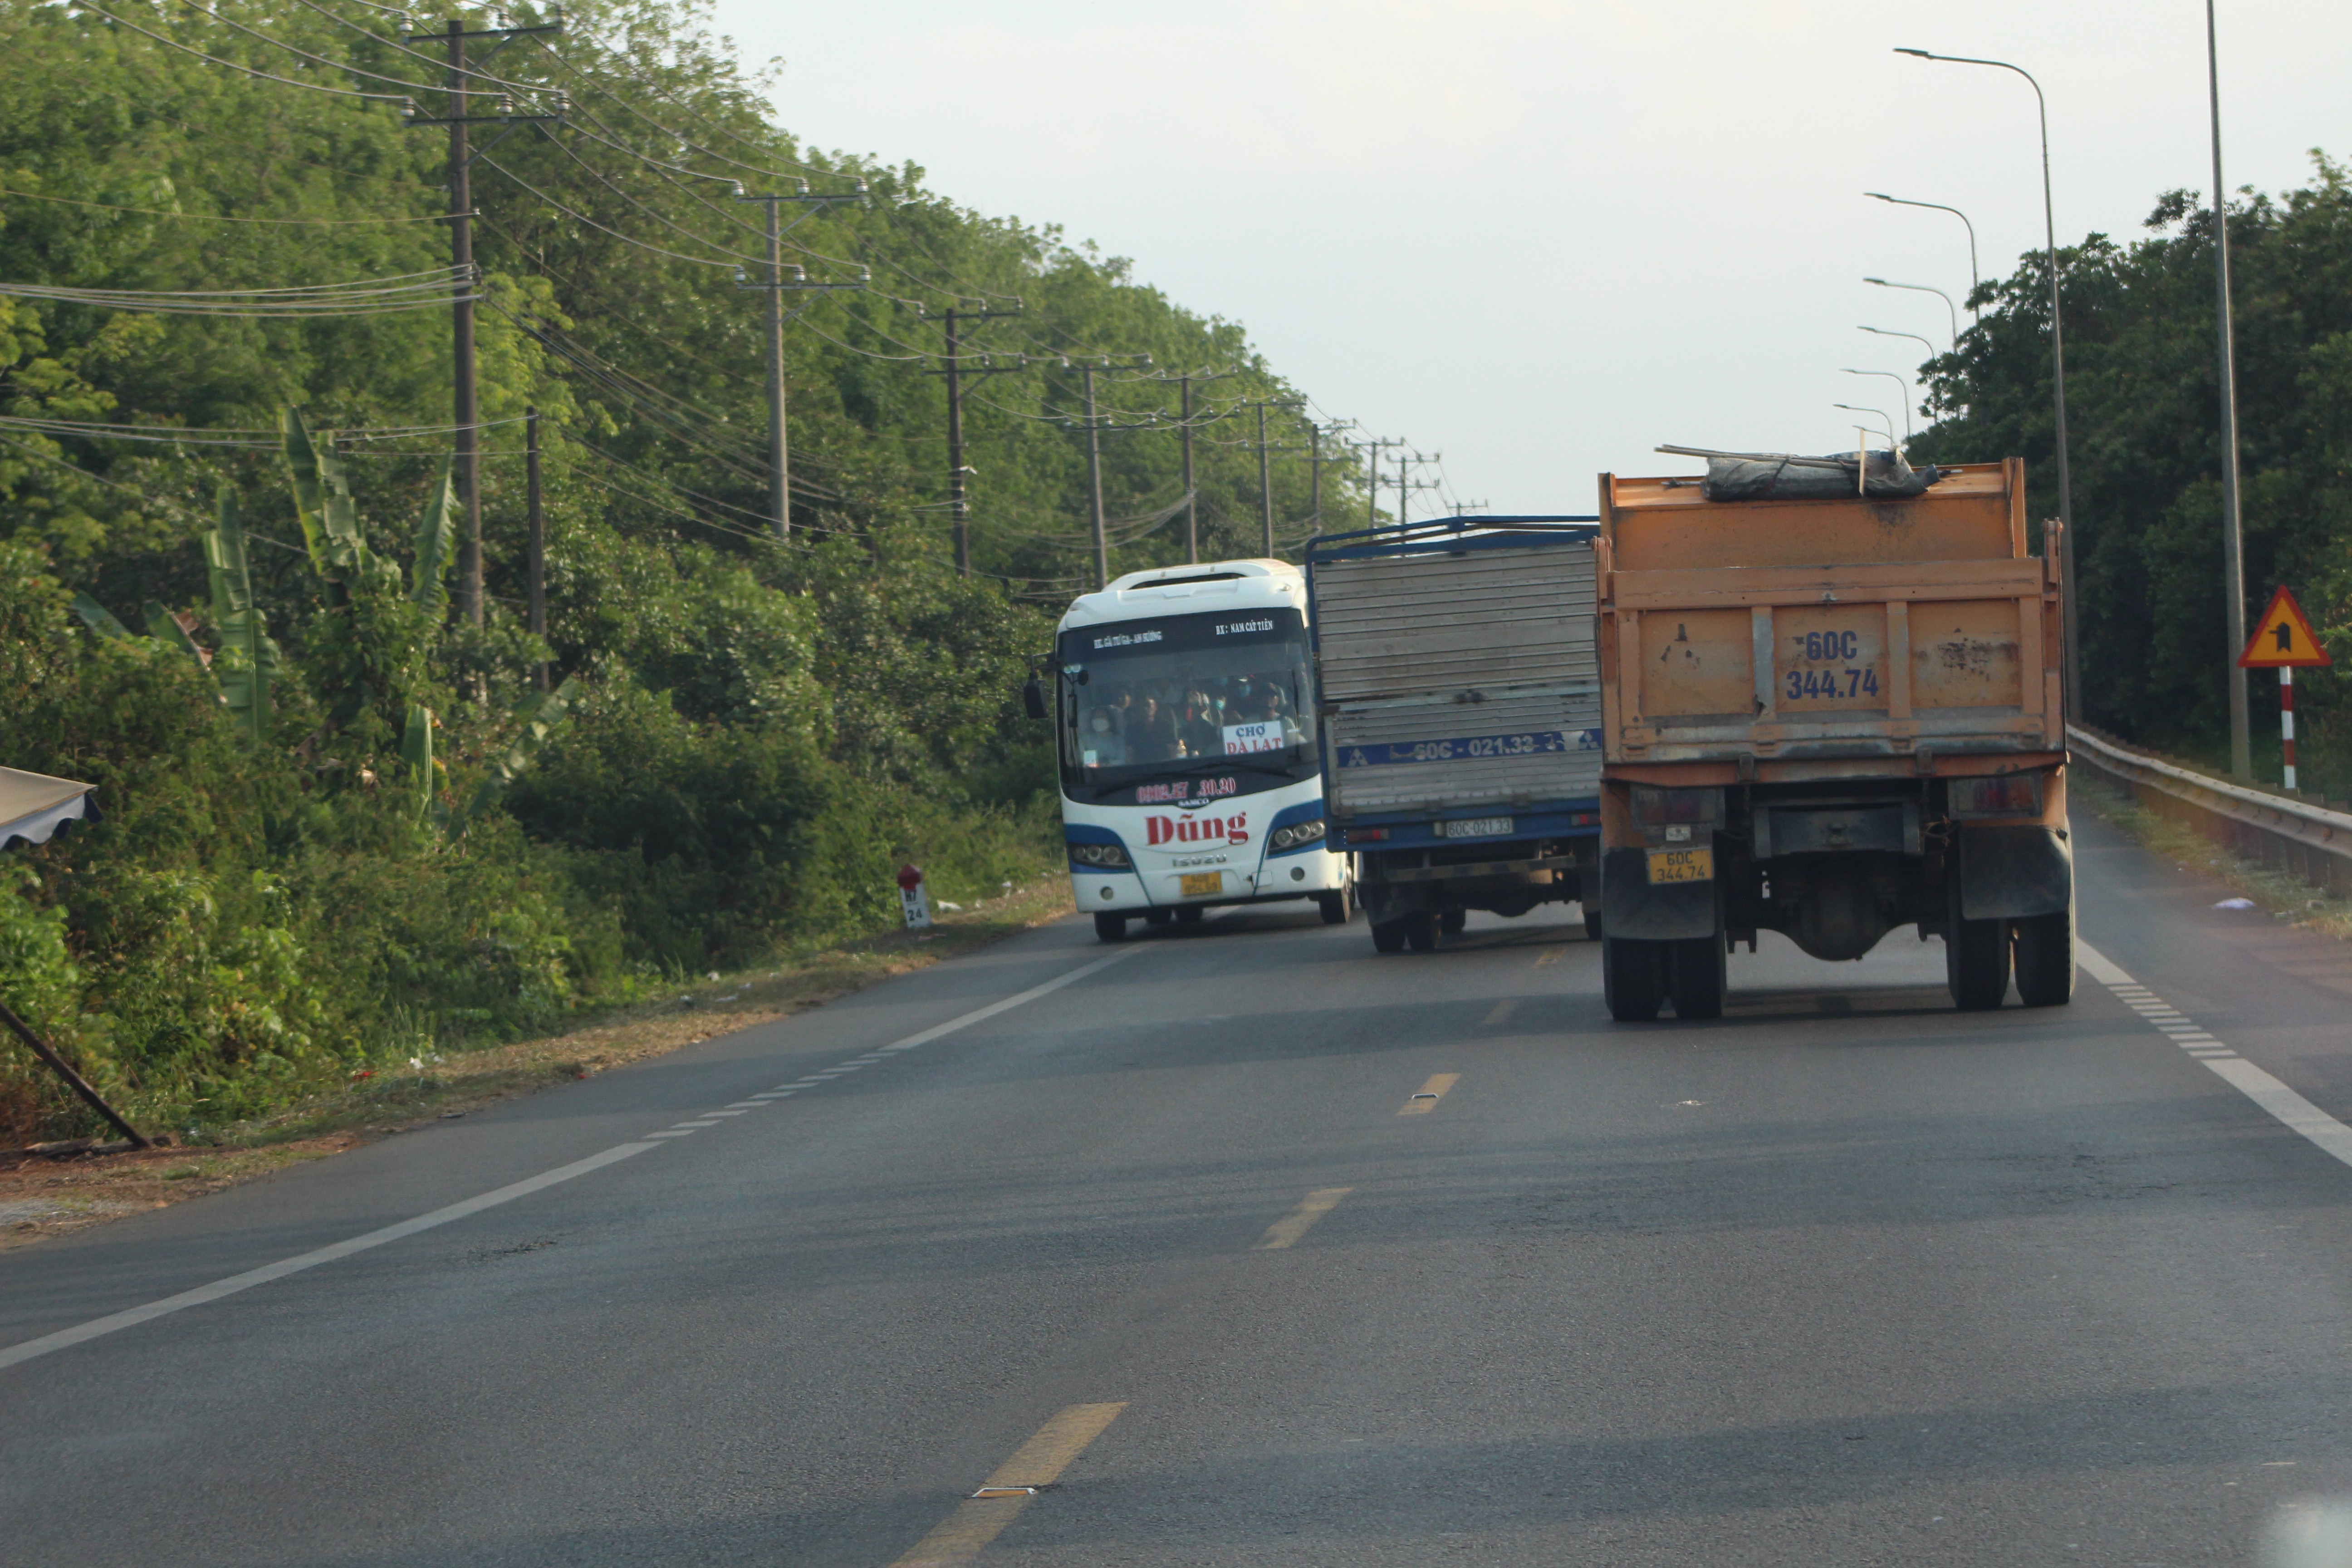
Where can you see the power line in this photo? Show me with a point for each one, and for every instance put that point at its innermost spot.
(290, 81)
(221, 217)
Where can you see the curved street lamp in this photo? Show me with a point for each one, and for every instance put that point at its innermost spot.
(1933, 353)
(1903, 387)
(1938, 207)
(1923, 288)
(2057, 374)
(1857, 408)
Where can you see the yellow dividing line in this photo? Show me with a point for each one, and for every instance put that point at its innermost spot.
(1425, 1101)
(1039, 1462)
(1503, 1010)
(1287, 1230)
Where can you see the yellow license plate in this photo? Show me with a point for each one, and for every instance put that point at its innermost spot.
(1204, 882)
(1681, 865)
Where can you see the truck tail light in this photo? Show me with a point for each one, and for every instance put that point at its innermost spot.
(1653, 806)
(2009, 794)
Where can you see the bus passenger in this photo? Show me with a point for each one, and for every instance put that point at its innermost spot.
(1103, 746)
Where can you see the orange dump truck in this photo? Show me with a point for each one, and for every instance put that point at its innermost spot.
(1830, 716)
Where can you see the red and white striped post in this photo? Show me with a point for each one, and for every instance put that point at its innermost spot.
(2286, 719)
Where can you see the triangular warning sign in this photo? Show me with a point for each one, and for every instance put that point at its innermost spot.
(2283, 636)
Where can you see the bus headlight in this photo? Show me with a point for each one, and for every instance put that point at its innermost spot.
(1296, 834)
(1101, 857)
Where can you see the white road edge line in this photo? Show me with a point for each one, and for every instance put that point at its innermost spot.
(2297, 1114)
(131, 1317)
(330, 1254)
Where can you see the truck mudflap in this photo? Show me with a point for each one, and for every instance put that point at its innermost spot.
(1634, 907)
(2009, 872)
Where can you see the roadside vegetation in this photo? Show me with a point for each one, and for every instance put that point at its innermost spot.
(2143, 414)
(347, 828)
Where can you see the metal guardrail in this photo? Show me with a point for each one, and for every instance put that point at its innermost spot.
(2313, 842)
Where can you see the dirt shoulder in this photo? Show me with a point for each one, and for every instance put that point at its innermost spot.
(41, 1198)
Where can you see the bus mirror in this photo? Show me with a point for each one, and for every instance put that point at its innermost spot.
(1033, 698)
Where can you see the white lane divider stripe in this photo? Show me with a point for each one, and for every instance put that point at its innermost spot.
(27, 1350)
(2290, 1108)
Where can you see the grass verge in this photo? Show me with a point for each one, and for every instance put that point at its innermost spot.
(41, 1198)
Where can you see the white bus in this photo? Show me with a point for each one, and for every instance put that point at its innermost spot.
(1184, 716)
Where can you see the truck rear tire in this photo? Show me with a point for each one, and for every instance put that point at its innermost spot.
(1453, 922)
(1975, 963)
(1338, 908)
(1420, 931)
(1633, 978)
(1111, 928)
(2045, 959)
(1388, 936)
(1699, 975)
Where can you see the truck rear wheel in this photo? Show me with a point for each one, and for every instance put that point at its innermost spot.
(1111, 928)
(1453, 922)
(1975, 963)
(1420, 931)
(1388, 936)
(2045, 959)
(1633, 978)
(1700, 976)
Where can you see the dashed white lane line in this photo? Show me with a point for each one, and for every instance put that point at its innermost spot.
(29, 1349)
(2298, 1113)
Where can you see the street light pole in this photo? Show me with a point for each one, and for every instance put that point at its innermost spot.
(1938, 207)
(1857, 408)
(2058, 380)
(1905, 388)
(2233, 558)
(1951, 309)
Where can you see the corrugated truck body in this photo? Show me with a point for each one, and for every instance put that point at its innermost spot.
(1790, 691)
(1460, 703)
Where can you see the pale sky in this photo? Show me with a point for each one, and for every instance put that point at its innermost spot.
(1543, 236)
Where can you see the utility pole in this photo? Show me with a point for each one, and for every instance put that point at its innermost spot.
(1191, 506)
(1405, 486)
(1265, 486)
(1373, 479)
(1095, 429)
(1316, 459)
(465, 408)
(538, 560)
(1094, 487)
(955, 369)
(2234, 555)
(779, 280)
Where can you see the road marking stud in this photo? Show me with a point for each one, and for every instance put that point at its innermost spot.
(1425, 1099)
(1550, 955)
(1034, 1466)
(1285, 1231)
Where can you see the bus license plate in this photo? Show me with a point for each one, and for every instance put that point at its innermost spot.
(1681, 865)
(1203, 882)
(1477, 827)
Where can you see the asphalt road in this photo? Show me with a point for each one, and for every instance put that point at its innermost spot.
(1843, 1277)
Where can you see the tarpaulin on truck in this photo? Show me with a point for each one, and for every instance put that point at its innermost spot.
(1776, 475)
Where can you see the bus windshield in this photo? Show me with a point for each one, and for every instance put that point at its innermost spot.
(1220, 701)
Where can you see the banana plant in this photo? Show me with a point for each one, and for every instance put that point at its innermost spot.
(330, 526)
(330, 523)
(540, 712)
(247, 661)
(416, 752)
